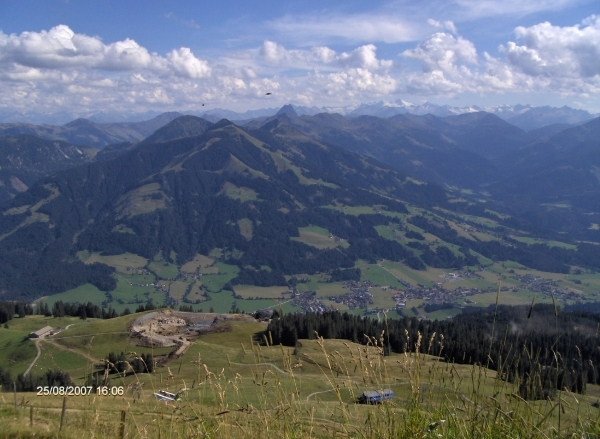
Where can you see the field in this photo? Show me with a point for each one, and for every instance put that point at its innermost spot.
(528, 240)
(120, 262)
(177, 289)
(87, 292)
(319, 238)
(239, 389)
(200, 282)
(196, 293)
(246, 228)
(135, 278)
(250, 291)
(238, 193)
(199, 261)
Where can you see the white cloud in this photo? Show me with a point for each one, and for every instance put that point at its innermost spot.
(185, 63)
(59, 69)
(61, 48)
(444, 25)
(355, 28)
(472, 9)
(362, 57)
(443, 51)
(355, 83)
(548, 59)
(553, 51)
(123, 55)
(399, 21)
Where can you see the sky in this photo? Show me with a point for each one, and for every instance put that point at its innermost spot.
(124, 56)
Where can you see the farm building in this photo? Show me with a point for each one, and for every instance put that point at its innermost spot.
(46, 330)
(375, 396)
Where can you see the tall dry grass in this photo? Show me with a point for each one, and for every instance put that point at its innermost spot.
(433, 399)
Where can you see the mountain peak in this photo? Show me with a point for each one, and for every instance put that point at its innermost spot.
(221, 124)
(287, 109)
(78, 123)
(184, 126)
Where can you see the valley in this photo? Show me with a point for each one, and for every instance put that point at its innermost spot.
(273, 217)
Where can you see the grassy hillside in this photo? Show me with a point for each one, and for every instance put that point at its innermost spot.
(240, 389)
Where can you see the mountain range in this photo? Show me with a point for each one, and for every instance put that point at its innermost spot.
(177, 186)
(526, 117)
(88, 133)
(196, 188)
(242, 191)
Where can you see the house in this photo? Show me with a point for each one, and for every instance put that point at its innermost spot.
(46, 330)
(375, 396)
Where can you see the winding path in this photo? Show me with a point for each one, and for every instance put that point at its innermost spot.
(74, 351)
(261, 364)
(316, 393)
(39, 352)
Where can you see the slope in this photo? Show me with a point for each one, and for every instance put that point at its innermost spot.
(85, 132)
(171, 198)
(249, 198)
(25, 158)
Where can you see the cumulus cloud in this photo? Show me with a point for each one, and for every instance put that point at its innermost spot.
(545, 58)
(443, 51)
(60, 69)
(61, 48)
(123, 55)
(185, 63)
(362, 57)
(553, 51)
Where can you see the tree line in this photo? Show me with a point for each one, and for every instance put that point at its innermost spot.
(524, 346)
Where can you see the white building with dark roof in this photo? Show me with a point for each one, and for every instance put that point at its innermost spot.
(46, 330)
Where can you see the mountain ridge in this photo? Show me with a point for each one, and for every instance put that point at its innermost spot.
(87, 133)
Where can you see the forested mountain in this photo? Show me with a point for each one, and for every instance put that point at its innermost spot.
(184, 126)
(455, 150)
(85, 132)
(184, 197)
(245, 192)
(547, 177)
(24, 159)
(555, 181)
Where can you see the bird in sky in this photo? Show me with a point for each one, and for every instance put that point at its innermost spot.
(268, 94)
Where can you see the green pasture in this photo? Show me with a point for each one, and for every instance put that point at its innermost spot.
(246, 228)
(251, 291)
(238, 193)
(327, 289)
(316, 380)
(378, 275)
(318, 237)
(177, 289)
(164, 269)
(528, 240)
(16, 350)
(414, 277)
(82, 294)
(196, 293)
(216, 282)
(140, 201)
(120, 262)
(199, 261)
(382, 298)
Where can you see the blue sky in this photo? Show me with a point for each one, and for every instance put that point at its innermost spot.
(83, 56)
